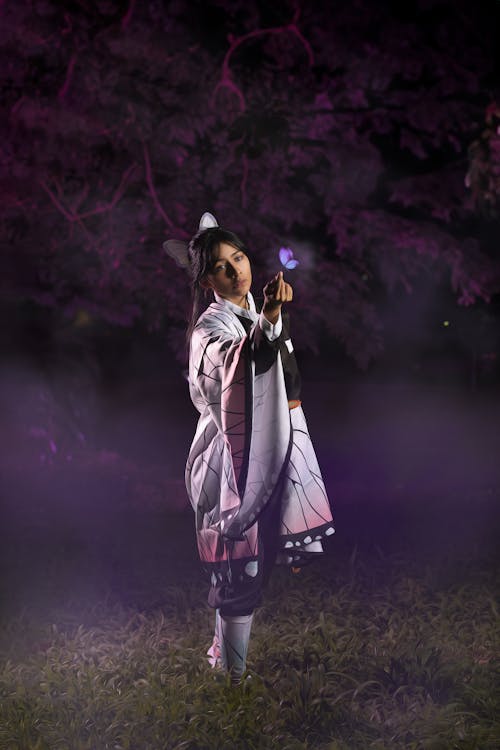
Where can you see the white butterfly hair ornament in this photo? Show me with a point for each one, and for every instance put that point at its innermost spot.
(178, 249)
(208, 221)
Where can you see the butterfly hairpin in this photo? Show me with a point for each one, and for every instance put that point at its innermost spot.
(286, 258)
(178, 250)
(208, 221)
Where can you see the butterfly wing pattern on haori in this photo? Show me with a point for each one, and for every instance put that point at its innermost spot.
(247, 444)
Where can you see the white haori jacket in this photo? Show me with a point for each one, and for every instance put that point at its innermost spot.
(248, 443)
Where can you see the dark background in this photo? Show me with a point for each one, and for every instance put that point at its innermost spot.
(364, 136)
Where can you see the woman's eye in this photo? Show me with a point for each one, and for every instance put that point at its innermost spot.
(223, 266)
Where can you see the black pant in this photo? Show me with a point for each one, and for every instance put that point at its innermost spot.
(244, 592)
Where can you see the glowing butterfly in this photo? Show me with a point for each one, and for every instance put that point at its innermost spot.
(286, 258)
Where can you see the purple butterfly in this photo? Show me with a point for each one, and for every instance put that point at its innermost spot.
(286, 258)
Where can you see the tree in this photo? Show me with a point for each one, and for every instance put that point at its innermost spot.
(341, 133)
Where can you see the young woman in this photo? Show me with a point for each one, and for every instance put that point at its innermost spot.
(252, 475)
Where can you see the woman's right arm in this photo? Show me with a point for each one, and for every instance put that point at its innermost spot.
(276, 293)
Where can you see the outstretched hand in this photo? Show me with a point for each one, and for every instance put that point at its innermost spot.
(276, 292)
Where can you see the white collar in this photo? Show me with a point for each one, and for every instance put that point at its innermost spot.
(241, 311)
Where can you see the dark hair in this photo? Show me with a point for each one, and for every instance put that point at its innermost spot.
(201, 259)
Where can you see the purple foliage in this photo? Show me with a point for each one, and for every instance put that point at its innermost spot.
(349, 126)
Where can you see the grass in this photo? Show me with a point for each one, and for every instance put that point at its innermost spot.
(360, 651)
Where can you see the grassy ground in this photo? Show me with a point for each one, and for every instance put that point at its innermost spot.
(103, 646)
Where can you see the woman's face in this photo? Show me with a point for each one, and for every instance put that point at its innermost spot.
(231, 275)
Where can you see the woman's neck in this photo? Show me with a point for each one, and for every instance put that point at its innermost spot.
(239, 301)
(245, 303)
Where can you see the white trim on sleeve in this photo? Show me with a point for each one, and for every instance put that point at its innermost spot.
(271, 330)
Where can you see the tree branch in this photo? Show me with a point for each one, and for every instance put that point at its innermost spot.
(128, 15)
(73, 217)
(116, 197)
(243, 183)
(55, 200)
(226, 76)
(152, 189)
(69, 74)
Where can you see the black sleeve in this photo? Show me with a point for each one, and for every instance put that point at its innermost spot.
(265, 352)
(290, 367)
